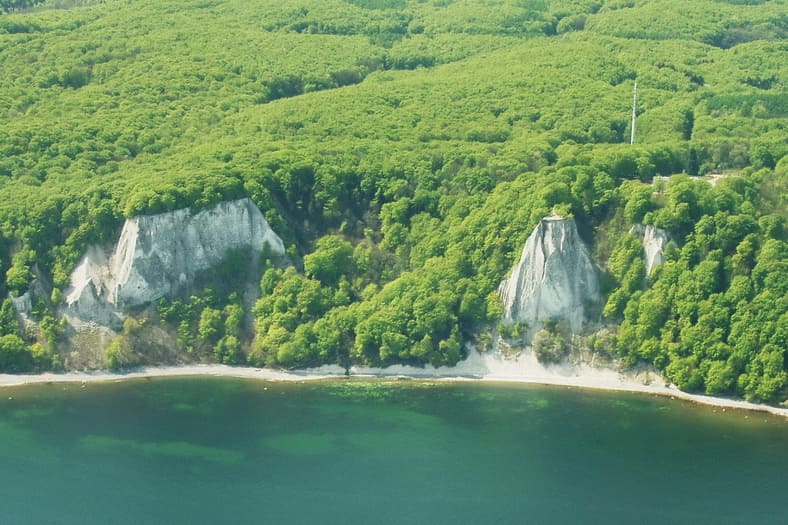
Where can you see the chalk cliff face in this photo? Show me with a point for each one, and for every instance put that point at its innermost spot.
(157, 254)
(554, 279)
(22, 304)
(654, 242)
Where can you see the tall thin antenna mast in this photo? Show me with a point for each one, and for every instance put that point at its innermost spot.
(634, 111)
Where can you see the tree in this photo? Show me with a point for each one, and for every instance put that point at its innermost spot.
(719, 378)
(210, 326)
(117, 354)
(19, 276)
(332, 258)
(549, 347)
(233, 319)
(228, 350)
(14, 356)
(8, 322)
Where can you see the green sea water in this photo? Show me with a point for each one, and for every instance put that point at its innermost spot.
(210, 450)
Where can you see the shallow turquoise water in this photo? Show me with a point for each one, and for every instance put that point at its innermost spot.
(209, 450)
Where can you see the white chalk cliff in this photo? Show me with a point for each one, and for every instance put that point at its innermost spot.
(554, 279)
(158, 254)
(654, 242)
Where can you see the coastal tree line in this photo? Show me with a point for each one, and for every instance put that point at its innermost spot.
(404, 151)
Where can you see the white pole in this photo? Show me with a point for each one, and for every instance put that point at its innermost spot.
(634, 111)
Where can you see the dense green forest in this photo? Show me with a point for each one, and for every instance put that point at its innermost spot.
(404, 150)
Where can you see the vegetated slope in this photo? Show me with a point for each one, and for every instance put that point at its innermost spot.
(404, 150)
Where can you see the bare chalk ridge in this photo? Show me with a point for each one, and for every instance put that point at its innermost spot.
(554, 279)
(158, 254)
(655, 240)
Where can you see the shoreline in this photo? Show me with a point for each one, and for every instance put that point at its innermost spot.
(608, 380)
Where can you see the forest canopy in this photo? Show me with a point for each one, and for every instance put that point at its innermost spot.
(404, 150)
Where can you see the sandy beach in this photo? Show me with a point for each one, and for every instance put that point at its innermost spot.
(477, 367)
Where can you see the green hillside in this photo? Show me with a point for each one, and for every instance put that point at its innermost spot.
(404, 150)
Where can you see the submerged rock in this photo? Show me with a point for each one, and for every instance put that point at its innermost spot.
(554, 279)
(158, 254)
(654, 242)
